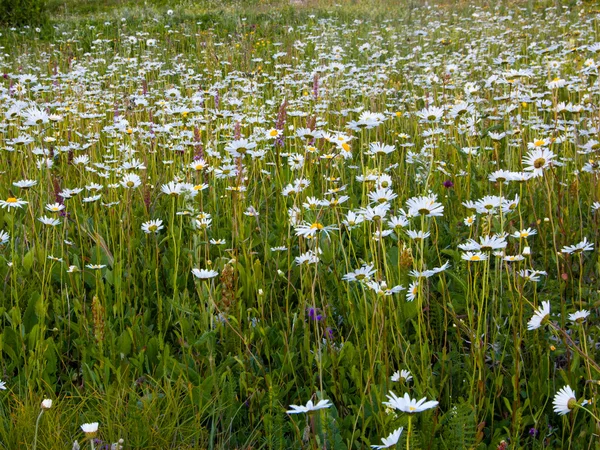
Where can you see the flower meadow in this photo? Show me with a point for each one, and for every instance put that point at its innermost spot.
(326, 225)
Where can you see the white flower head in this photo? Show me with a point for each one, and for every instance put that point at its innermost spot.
(204, 274)
(391, 440)
(409, 405)
(565, 401)
(309, 407)
(539, 316)
(90, 429)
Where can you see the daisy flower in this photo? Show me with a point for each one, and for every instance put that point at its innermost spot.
(12, 202)
(364, 273)
(409, 405)
(90, 429)
(204, 274)
(308, 230)
(537, 160)
(583, 246)
(391, 440)
(474, 256)
(579, 316)
(152, 226)
(4, 237)
(426, 205)
(524, 233)
(55, 207)
(539, 316)
(49, 221)
(25, 184)
(402, 376)
(565, 401)
(413, 290)
(309, 407)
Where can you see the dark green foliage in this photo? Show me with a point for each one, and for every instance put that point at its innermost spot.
(23, 12)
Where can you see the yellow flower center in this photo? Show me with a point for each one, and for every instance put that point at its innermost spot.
(475, 258)
(411, 408)
(539, 142)
(345, 146)
(316, 226)
(11, 200)
(273, 133)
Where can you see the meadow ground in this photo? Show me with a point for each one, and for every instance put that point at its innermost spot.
(257, 225)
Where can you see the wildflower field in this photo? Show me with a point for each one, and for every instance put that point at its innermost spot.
(306, 225)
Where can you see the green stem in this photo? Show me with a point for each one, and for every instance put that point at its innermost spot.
(37, 423)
